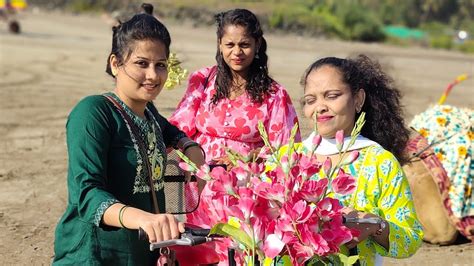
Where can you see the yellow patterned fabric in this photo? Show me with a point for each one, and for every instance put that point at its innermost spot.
(383, 190)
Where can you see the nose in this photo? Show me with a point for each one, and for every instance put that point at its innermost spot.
(152, 73)
(321, 108)
(236, 50)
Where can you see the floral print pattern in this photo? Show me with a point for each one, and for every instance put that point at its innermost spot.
(450, 131)
(232, 123)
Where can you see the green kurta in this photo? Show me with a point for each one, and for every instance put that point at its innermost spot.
(105, 168)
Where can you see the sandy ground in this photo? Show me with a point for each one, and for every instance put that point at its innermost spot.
(61, 58)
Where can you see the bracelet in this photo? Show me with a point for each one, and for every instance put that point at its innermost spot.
(194, 144)
(121, 215)
(189, 144)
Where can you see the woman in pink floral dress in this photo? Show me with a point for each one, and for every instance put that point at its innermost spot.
(224, 103)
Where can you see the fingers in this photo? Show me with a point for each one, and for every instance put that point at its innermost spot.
(161, 227)
(173, 227)
(181, 227)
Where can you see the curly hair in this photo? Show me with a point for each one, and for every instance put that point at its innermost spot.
(140, 27)
(259, 83)
(384, 115)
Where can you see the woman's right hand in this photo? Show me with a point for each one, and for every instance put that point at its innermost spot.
(158, 227)
(161, 227)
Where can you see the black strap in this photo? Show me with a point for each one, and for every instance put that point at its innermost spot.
(141, 149)
(353, 252)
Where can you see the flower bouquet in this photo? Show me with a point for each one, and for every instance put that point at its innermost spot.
(281, 202)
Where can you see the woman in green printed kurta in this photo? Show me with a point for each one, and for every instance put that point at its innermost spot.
(336, 92)
(108, 182)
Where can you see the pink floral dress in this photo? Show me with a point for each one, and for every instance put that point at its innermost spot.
(232, 123)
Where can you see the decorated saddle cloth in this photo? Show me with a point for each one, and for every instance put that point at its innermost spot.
(450, 132)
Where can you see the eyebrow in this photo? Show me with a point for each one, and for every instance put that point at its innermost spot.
(144, 58)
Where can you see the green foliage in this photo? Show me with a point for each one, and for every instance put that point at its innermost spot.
(360, 20)
(466, 46)
(360, 23)
(237, 234)
(441, 41)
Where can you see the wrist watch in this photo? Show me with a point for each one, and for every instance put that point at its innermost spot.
(372, 220)
(383, 225)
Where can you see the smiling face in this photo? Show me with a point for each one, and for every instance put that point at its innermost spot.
(238, 48)
(142, 76)
(334, 103)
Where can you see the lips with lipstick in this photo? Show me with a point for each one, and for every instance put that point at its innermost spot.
(324, 118)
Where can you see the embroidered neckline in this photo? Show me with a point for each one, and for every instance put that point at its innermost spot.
(151, 133)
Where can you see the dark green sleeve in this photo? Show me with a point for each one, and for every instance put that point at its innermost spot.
(88, 133)
(171, 134)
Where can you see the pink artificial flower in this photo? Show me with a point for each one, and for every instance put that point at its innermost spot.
(327, 166)
(223, 181)
(351, 157)
(270, 191)
(245, 204)
(299, 211)
(328, 208)
(316, 141)
(272, 246)
(339, 139)
(313, 190)
(241, 174)
(203, 172)
(310, 166)
(343, 184)
(313, 239)
(185, 166)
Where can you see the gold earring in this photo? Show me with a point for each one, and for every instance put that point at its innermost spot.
(114, 72)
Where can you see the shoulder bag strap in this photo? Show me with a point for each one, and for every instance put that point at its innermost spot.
(141, 149)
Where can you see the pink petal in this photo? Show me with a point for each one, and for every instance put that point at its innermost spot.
(273, 246)
(339, 139)
(185, 166)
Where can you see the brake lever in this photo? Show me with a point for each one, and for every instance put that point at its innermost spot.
(371, 220)
(185, 240)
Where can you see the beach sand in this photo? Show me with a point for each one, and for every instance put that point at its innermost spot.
(60, 58)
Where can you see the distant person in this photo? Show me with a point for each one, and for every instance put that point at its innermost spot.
(8, 13)
(223, 104)
(117, 157)
(336, 91)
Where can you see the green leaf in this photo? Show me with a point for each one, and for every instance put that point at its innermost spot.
(345, 260)
(224, 229)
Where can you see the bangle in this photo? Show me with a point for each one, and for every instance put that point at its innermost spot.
(121, 216)
(194, 144)
(187, 142)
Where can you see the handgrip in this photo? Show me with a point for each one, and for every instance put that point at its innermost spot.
(142, 235)
(197, 231)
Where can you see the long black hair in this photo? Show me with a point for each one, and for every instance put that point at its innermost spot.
(140, 27)
(384, 115)
(259, 83)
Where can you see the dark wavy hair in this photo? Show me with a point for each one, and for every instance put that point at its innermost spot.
(140, 27)
(259, 83)
(384, 116)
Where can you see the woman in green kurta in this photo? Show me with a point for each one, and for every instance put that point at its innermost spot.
(108, 181)
(336, 92)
